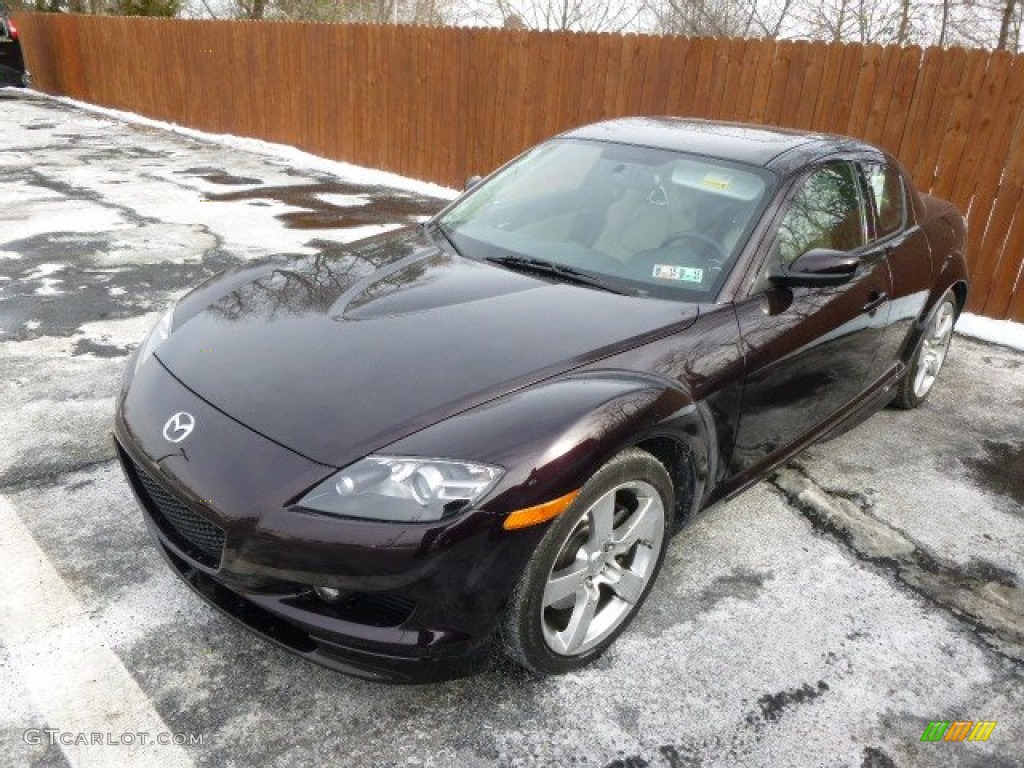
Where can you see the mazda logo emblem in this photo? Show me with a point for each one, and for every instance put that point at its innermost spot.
(179, 426)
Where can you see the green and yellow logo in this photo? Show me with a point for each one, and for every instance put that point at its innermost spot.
(958, 730)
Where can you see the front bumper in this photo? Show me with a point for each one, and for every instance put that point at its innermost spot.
(419, 602)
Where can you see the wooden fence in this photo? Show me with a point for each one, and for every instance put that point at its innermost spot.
(442, 104)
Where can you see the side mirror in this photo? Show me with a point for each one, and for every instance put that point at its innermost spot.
(472, 181)
(818, 268)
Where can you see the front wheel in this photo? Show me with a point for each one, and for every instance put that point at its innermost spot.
(930, 354)
(593, 568)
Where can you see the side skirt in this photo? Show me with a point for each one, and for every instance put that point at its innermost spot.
(874, 399)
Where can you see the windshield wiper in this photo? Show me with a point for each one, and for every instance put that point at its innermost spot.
(539, 266)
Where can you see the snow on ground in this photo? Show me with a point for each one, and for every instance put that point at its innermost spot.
(1003, 332)
(107, 214)
(293, 156)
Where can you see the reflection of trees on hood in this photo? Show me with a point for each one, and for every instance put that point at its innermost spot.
(314, 284)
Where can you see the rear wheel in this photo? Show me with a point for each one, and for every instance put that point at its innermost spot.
(593, 568)
(930, 354)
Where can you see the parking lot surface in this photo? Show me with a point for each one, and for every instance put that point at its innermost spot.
(822, 618)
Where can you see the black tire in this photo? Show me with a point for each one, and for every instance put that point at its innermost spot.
(528, 628)
(913, 391)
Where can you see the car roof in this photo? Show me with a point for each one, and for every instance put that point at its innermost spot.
(779, 149)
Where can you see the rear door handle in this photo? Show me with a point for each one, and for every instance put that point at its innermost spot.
(875, 300)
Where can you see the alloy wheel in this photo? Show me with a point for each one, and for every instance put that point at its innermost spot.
(934, 347)
(603, 568)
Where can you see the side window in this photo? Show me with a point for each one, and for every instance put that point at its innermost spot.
(826, 212)
(885, 185)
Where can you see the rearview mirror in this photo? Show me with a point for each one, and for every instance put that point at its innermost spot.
(819, 267)
(472, 181)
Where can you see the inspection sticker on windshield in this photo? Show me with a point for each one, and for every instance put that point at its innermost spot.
(686, 274)
(719, 181)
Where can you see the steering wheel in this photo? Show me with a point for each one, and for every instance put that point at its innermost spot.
(720, 252)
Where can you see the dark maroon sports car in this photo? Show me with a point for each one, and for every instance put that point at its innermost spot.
(393, 457)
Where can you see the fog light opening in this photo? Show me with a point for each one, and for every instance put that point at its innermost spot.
(327, 594)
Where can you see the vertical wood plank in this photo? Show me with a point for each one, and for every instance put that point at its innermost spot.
(845, 89)
(863, 94)
(902, 93)
(762, 81)
(949, 88)
(793, 86)
(961, 110)
(803, 111)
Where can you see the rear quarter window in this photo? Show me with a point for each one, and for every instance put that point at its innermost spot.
(888, 198)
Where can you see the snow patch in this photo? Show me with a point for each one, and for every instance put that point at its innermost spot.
(124, 332)
(49, 287)
(21, 193)
(49, 284)
(1004, 332)
(14, 161)
(27, 218)
(44, 270)
(156, 244)
(344, 201)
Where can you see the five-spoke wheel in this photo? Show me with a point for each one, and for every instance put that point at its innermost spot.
(593, 568)
(603, 568)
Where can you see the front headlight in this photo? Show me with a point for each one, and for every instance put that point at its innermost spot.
(402, 488)
(161, 332)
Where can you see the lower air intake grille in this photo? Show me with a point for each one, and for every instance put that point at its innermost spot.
(192, 533)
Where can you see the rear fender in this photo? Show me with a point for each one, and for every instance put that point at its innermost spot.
(947, 239)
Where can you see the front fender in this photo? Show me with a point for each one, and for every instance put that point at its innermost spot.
(552, 437)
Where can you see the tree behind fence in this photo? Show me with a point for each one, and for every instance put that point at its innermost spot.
(444, 103)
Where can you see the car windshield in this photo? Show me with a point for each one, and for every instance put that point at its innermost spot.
(631, 219)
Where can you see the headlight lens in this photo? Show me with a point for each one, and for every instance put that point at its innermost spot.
(160, 333)
(401, 488)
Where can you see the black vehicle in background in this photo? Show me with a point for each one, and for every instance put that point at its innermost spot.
(12, 63)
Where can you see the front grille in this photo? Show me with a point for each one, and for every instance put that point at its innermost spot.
(192, 533)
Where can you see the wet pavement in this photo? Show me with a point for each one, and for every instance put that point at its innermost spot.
(824, 617)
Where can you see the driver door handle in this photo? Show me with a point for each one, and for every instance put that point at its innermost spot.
(875, 300)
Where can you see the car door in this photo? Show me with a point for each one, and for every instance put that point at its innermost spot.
(809, 352)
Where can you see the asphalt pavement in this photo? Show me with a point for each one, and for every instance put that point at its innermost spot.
(822, 618)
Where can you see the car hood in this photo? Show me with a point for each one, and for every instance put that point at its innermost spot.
(339, 354)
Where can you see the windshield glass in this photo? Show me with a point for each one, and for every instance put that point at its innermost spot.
(641, 220)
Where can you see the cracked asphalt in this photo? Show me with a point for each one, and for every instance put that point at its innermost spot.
(822, 618)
